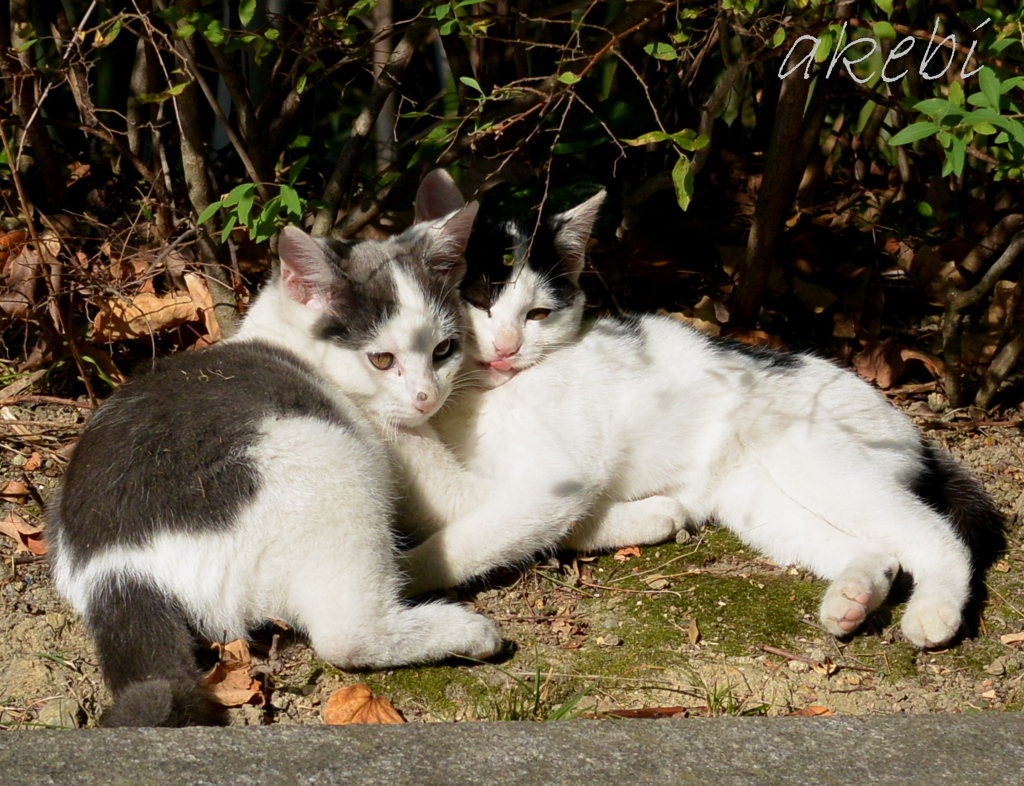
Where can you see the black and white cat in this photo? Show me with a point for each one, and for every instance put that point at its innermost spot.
(631, 430)
(251, 480)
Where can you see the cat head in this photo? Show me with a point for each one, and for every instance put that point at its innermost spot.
(522, 279)
(381, 319)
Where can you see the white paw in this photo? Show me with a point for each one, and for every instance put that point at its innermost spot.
(845, 607)
(479, 638)
(928, 623)
(657, 519)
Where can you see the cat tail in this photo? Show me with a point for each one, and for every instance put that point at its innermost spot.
(954, 492)
(147, 655)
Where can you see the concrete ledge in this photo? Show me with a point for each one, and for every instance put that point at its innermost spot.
(855, 751)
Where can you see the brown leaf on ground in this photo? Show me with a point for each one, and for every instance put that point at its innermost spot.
(13, 491)
(357, 704)
(694, 632)
(646, 712)
(935, 365)
(230, 682)
(35, 461)
(122, 318)
(28, 538)
(813, 711)
(1012, 638)
(203, 301)
(880, 362)
(757, 338)
(624, 554)
(19, 284)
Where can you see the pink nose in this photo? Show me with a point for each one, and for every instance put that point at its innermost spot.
(506, 350)
(425, 402)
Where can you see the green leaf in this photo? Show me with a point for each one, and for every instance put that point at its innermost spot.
(682, 179)
(985, 128)
(568, 78)
(956, 94)
(290, 199)
(778, 38)
(958, 154)
(178, 89)
(211, 210)
(883, 30)
(661, 51)
(230, 224)
(914, 132)
(244, 208)
(989, 84)
(932, 106)
(237, 193)
(885, 6)
(184, 31)
(214, 32)
(649, 138)
(471, 82)
(1009, 84)
(246, 10)
(447, 27)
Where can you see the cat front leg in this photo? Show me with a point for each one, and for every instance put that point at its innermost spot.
(436, 487)
(507, 529)
(639, 522)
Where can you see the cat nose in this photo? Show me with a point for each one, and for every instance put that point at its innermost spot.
(425, 402)
(506, 350)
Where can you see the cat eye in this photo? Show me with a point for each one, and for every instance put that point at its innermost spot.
(538, 314)
(444, 349)
(381, 360)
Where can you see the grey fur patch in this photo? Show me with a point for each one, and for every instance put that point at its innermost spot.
(170, 450)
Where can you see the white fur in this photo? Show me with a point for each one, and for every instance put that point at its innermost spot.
(618, 439)
(315, 545)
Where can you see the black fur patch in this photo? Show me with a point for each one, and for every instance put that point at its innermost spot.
(365, 295)
(169, 451)
(766, 357)
(500, 228)
(148, 657)
(951, 490)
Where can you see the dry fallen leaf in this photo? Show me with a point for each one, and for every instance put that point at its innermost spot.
(813, 711)
(624, 554)
(357, 704)
(13, 491)
(694, 632)
(880, 362)
(1012, 638)
(29, 538)
(230, 682)
(35, 461)
(122, 318)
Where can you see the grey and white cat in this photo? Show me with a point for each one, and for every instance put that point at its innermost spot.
(250, 481)
(631, 430)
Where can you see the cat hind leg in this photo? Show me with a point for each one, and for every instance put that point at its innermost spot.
(404, 635)
(860, 589)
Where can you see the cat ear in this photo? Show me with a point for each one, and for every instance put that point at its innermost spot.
(437, 196)
(572, 232)
(448, 237)
(306, 273)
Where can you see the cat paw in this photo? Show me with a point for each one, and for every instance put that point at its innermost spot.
(845, 608)
(478, 638)
(929, 624)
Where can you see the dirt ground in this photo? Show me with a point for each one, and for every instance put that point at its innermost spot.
(701, 628)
